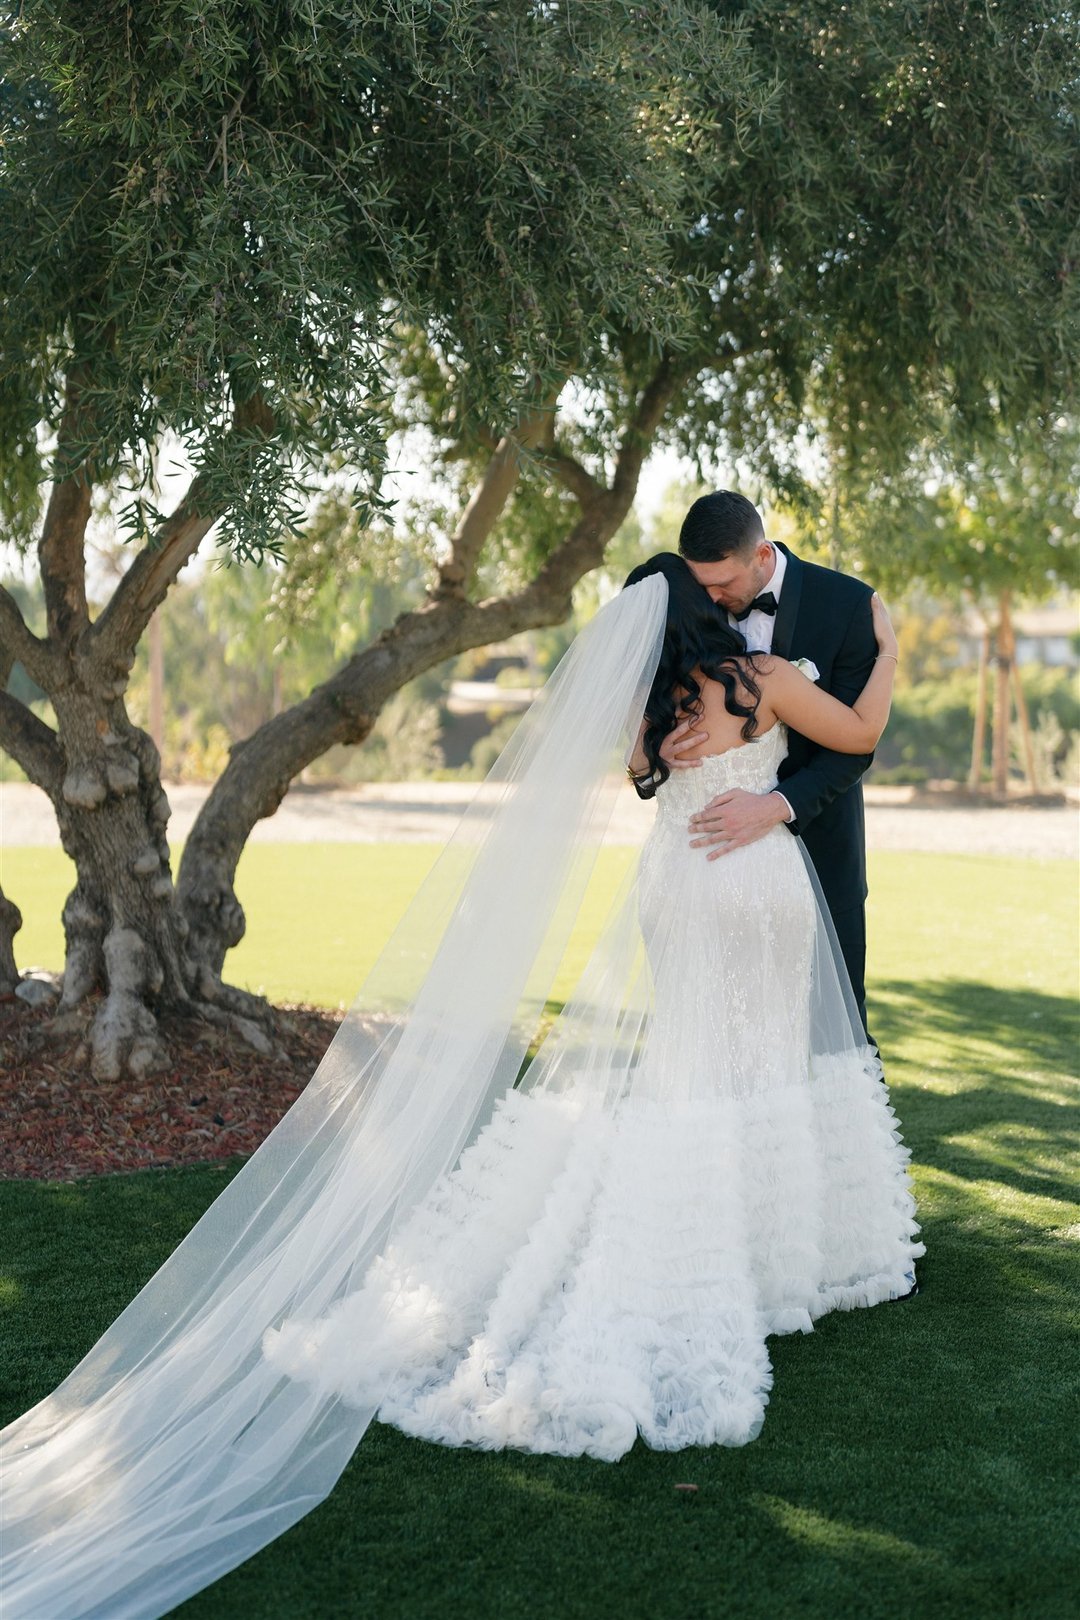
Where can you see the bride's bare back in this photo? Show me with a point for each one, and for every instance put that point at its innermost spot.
(716, 727)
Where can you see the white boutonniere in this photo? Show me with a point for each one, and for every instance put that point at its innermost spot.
(807, 667)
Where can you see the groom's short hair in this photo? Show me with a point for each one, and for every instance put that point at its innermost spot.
(718, 525)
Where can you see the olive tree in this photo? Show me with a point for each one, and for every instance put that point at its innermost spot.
(215, 221)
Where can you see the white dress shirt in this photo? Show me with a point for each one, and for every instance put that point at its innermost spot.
(758, 627)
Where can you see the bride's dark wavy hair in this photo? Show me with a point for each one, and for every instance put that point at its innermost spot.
(697, 636)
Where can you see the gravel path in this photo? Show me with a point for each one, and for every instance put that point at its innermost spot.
(425, 812)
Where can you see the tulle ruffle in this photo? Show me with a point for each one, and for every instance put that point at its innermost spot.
(586, 1275)
(702, 1155)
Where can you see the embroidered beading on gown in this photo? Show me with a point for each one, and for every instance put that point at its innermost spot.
(589, 1272)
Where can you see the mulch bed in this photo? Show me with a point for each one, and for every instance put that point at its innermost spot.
(215, 1099)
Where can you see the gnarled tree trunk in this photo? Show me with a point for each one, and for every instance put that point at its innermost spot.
(125, 934)
(10, 923)
(10, 915)
(154, 952)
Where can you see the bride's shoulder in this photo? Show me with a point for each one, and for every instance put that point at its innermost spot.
(771, 667)
(739, 663)
(745, 667)
(758, 666)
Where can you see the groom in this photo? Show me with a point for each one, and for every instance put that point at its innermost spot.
(797, 610)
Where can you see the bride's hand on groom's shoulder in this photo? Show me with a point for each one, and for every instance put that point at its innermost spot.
(677, 742)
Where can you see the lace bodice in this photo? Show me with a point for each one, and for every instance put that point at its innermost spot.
(752, 766)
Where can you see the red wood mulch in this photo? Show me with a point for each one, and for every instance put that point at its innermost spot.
(215, 1099)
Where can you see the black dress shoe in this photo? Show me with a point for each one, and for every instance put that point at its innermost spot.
(912, 1291)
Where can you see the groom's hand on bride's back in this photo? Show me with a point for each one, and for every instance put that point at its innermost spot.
(736, 818)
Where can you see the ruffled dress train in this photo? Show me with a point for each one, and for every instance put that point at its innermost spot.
(594, 1269)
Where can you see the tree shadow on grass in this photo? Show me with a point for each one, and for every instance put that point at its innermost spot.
(1037, 1029)
(997, 1101)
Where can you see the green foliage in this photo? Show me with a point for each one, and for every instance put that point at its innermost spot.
(900, 234)
(852, 228)
(929, 644)
(346, 578)
(1056, 752)
(206, 205)
(930, 727)
(884, 265)
(488, 749)
(1004, 518)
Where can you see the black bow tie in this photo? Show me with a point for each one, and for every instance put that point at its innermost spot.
(765, 603)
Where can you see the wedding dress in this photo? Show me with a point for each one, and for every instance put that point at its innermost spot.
(588, 1273)
(556, 1254)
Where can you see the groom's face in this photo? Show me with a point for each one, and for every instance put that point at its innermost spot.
(734, 581)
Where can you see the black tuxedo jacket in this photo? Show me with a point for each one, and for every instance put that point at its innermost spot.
(825, 616)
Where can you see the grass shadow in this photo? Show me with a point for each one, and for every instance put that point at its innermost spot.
(983, 1079)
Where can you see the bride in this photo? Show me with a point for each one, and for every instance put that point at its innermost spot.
(557, 1254)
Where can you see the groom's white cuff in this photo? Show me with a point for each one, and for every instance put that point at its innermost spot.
(790, 812)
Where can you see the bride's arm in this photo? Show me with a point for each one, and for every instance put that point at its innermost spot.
(824, 719)
(636, 761)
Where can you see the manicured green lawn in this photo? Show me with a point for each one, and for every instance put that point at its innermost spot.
(916, 1459)
(318, 914)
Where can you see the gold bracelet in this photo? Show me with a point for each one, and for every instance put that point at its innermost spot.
(893, 656)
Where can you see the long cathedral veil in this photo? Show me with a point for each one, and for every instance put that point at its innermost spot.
(213, 1413)
(177, 1448)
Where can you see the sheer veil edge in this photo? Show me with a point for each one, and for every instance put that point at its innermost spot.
(176, 1448)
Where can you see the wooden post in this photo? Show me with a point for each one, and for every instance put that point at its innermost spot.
(157, 680)
(1003, 662)
(978, 741)
(1025, 728)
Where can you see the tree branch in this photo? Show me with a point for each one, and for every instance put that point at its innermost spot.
(480, 436)
(146, 582)
(18, 644)
(637, 439)
(31, 743)
(344, 708)
(488, 500)
(60, 549)
(570, 473)
(601, 517)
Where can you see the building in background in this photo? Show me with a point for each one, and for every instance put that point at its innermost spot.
(1047, 635)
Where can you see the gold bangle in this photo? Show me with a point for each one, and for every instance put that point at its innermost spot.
(893, 656)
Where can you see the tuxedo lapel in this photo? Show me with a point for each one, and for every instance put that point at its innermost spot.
(787, 611)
